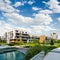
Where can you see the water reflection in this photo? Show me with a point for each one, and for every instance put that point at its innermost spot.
(12, 56)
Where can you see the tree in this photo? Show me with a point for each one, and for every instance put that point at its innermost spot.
(21, 42)
(52, 42)
(17, 42)
(35, 41)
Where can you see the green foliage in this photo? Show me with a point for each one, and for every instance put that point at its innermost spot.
(52, 42)
(21, 42)
(36, 49)
(31, 52)
(11, 44)
(35, 41)
(58, 41)
(0, 40)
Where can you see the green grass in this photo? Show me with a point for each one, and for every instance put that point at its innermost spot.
(34, 44)
(3, 43)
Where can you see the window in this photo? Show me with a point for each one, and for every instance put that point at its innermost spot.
(16, 30)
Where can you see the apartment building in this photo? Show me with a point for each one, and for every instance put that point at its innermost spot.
(54, 36)
(44, 38)
(16, 35)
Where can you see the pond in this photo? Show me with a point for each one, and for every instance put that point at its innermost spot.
(14, 55)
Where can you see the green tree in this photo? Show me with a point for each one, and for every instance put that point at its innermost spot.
(21, 42)
(35, 41)
(52, 42)
(17, 42)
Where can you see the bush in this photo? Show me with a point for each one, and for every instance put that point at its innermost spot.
(11, 44)
(52, 42)
(31, 52)
(21, 42)
(36, 49)
(35, 41)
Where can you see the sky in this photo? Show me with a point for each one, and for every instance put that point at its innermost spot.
(38, 17)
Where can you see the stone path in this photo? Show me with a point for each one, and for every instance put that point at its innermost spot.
(53, 55)
(39, 56)
(23, 50)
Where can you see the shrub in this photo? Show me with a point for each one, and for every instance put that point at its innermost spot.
(32, 51)
(35, 41)
(36, 49)
(52, 42)
(21, 42)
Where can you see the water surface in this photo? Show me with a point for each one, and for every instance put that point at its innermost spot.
(15, 55)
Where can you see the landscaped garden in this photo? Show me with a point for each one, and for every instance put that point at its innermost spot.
(35, 47)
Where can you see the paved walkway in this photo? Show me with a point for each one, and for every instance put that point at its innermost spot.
(23, 50)
(53, 55)
(2, 47)
(39, 56)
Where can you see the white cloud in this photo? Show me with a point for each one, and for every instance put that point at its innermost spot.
(0, 22)
(36, 8)
(43, 19)
(54, 5)
(8, 1)
(31, 2)
(46, 12)
(43, 28)
(18, 19)
(6, 27)
(7, 7)
(17, 4)
(58, 19)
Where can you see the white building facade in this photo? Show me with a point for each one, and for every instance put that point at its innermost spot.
(17, 34)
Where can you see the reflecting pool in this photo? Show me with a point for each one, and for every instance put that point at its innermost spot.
(15, 55)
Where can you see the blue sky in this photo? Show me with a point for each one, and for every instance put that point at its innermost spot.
(39, 17)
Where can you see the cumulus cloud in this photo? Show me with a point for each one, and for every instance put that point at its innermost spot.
(31, 2)
(54, 5)
(46, 11)
(17, 4)
(8, 1)
(58, 19)
(43, 19)
(35, 8)
(18, 19)
(7, 7)
(6, 27)
(12, 15)
(43, 28)
(38, 19)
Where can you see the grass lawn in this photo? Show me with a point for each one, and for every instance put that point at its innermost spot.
(31, 44)
(2, 43)
(34, 44)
